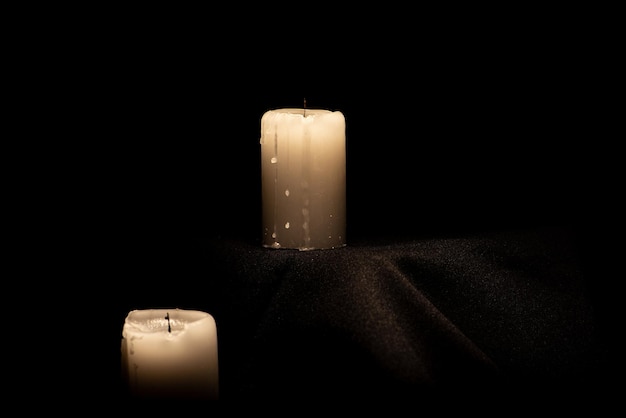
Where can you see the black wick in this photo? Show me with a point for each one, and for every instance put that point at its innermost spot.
(304, 107)
(169, 327)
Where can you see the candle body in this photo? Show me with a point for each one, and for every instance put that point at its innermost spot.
(175, 359)
(303, 179)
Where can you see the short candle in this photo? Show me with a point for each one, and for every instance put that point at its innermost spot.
(303, 178)
(170, 354)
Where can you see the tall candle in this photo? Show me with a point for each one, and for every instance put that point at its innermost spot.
(303, 178)
(170, 354)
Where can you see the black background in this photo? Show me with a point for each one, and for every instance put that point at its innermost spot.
(454, 129)
(456, 124)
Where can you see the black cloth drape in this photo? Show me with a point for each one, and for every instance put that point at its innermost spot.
(491, 314)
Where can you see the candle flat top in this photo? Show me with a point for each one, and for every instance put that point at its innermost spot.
(157, 320)
(302, 112)
(307, 116)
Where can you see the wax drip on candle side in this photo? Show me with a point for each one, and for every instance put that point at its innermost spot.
(300, 197)
(275, 162)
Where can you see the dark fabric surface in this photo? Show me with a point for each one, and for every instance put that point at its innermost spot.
(491, 314)
(468, 314)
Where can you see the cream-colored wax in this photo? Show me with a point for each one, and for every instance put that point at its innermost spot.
(303, 171)
(170, 354)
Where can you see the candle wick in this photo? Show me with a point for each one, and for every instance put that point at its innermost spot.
(169, 327)
(304, 107)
